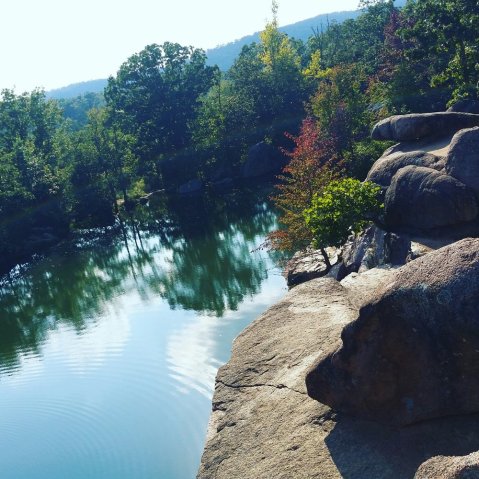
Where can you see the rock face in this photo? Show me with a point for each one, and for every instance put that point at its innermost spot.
(442, 467)
(422, 125)
(262, 159)
(386, 167)
(463, 158)
(264, 426)
(413, 352)
(308, 265)
(374, 247)
(423, 198)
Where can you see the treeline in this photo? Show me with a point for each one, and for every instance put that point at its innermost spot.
(167, 117)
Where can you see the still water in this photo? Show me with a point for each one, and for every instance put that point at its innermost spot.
(110, 345)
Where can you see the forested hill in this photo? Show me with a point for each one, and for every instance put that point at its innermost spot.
(77, 89)
(224, 55)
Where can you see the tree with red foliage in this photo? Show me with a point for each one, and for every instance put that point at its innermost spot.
(312, 166)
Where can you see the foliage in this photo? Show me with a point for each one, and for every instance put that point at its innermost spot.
(104, 166)
(343, 207)
(310, 169)
(169, 117)
(33, 170)
(341, 106)
(447, 33)
(155, 96)
(76, 109)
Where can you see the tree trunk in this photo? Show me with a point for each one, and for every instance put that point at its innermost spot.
(326, 259)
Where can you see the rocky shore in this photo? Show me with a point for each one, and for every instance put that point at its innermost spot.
(373, 371)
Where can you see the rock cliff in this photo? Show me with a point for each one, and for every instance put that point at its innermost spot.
(263, 424)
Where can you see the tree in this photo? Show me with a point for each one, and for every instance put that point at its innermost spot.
(155, 96)
(34, 158)
(341, 208)
(448, 32)
(104, 167)
(311, 167)
(268, 76)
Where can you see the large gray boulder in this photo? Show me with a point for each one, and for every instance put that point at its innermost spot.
(444, 467)
(263, 159)
(264, 426)
(386, 167)
(421, 125)
(422, 198)
(413, 352)
(465, 106)
(462, 161)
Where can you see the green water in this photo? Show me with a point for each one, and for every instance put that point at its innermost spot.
(109, 346)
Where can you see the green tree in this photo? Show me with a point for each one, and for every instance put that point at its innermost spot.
(447, 32)
(104, 168)
(343, 207)
(155, 96)
(34, 155)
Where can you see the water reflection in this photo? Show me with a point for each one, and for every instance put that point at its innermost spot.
(194, 254)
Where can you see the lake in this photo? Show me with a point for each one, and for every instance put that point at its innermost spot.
(110, 344)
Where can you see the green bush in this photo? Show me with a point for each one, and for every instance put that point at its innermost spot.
(343, 207)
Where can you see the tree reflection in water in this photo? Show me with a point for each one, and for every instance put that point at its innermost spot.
(195, 253)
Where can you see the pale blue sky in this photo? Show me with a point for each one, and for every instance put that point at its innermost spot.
(52, 43)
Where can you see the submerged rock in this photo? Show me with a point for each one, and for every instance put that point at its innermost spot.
(413, 352)
(263, 159)
(193, 187)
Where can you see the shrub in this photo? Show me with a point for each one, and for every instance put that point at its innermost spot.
(343, 207)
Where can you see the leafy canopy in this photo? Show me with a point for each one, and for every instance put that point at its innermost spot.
(343, 207)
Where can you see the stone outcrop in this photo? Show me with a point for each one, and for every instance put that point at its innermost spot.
(462, 161)
(374, 247)
(431, 179)
(465, 106)
(443, 467)
(192, 187)
(386, 167)
(413, 352)
(423, 198)
(307, 265)
(264, 426)
(263, 159)
(422, 125)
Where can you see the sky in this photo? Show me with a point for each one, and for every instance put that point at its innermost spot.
(53, 43)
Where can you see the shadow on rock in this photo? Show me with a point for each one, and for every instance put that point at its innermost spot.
(366, 450)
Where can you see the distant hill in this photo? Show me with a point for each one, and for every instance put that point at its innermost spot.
(77, 89)
(224, 55)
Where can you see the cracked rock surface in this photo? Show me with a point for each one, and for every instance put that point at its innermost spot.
(264, 426)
